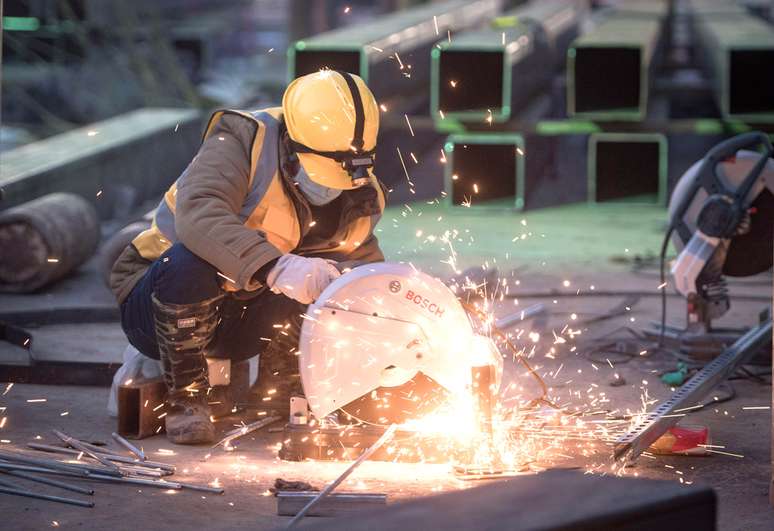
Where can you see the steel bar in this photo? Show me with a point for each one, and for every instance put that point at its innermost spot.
(244, 430)
(392, 53)
(159, 484)
(75, 443)
(491, 73)
(737, 50)
(328, 489)
(609, 68)
(125, 479)
(47, 481)
(129, 446)
(202, 488)
(39, 470)
(116, 458)
(52, 463)
(15, 490)
(47, 463)
(656, 423)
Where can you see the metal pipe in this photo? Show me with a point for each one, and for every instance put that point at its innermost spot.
(386, 436)
(47, 463)
(628, 39)
(101, 477)
(202, 488)
(47, 481)
(489, 74)
(159, 484)
(14, 490)
(116, 458)
(244, 430)
(631, 166)
(38, 469)
(75, 443)
(392, 53)
(484, 167)
(737, 50)
(129, 446)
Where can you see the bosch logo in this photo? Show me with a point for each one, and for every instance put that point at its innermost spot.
(394, 286)
(425, 303)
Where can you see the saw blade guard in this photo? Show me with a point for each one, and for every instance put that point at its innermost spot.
(379, 326)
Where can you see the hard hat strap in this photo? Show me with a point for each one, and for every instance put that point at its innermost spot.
(355, 161)
(357, 139)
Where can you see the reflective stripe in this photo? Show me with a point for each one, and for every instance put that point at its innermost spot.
(165, 221)
(265, 161)
(151, 243)
(267, 207)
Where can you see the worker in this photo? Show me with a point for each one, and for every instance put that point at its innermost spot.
(255, 228)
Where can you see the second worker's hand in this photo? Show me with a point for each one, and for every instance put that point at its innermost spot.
(301, 278)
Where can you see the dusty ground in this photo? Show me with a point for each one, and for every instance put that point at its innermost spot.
(560, 247)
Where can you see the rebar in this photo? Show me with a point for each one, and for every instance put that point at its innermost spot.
(116, 458)
(386, 436)
(47, 481)
(75, 443)
(14, 490)
(129, 446)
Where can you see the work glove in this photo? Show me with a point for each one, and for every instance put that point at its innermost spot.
(301, 278)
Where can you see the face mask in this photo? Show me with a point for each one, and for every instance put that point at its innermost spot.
(316, 194)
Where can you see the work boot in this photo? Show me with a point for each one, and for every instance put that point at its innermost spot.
(184, 332)
(278, 374)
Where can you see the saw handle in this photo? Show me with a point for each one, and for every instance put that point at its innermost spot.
(728, 148)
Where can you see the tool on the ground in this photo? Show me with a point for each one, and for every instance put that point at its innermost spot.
(47, 481)
(75, 443)
(387, 334)
(386, 344)
(722, 218)
(15, 490)
(129, 446)
(683, 440)
(656, 423)
(289, 503)
(244, 430)
(388, 434)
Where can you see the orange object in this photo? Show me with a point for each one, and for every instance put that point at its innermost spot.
(683, 440)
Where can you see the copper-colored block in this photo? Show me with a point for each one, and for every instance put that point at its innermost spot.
(141, 408)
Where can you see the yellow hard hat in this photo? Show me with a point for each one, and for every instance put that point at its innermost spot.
(333, 120)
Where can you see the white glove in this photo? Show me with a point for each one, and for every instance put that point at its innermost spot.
(301, 278)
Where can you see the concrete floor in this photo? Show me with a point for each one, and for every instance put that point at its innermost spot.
(586, 246)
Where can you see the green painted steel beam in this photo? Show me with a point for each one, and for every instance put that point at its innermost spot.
(738, 51)
(488, 162)
(21, 23)
(475, 76)
(628, 159)
(608, 68)
(399, 33)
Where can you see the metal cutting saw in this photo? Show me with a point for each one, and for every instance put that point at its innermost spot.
(386, 344)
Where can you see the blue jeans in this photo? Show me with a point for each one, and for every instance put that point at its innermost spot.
(181, 277)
